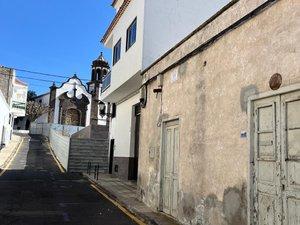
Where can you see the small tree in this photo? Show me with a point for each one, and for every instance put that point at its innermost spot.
(35, 110)
(31, 95)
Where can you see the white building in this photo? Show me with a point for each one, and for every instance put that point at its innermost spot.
(13, 96)
(140, 33)
(18, 105)
(43, 100)
(5, 127)
(69, 104)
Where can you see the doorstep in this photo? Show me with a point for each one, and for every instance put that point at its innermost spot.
(9, 150)
(125, 193)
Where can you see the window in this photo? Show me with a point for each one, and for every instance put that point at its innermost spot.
(117, 52)
(131, 35)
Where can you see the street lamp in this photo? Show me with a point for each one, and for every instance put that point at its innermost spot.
(102, 109)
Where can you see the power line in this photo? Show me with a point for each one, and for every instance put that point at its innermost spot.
(43, 74)
(31, 78)
(37, 79)
(38, 85)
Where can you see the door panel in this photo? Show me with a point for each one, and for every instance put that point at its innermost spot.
(291, 157)
(267, 162)
(175, 171)
(167, 171)
(293, 209)
(267, 208)
(170, 168)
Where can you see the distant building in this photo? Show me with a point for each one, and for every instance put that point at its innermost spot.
(69, 104)
(13, 95)
(100, 70)
(5, 120)
(43, 100)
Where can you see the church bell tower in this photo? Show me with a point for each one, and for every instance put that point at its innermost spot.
(100, 68)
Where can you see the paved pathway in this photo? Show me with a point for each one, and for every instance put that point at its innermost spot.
(33, 191)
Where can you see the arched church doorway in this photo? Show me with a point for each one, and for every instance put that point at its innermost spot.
(73, 117)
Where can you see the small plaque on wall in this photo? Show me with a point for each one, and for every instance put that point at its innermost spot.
(243, 134)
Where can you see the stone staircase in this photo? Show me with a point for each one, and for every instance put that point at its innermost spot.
(89, 145)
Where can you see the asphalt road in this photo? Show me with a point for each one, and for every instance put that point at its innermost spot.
(33, 191)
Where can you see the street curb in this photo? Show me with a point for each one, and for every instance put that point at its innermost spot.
(12, 154)
(137, 214)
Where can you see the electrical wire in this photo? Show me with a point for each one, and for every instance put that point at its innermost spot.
(31, 78)
(41, 73)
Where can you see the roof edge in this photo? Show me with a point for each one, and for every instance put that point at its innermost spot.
(204, 24)
(115, 20)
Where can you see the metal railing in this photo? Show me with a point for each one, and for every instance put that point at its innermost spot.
(106, 82)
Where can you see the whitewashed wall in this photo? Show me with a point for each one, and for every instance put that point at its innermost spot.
(68, 87)
(60, 144)
(168, 22)
(44, 129)
(131, 60)
(44, 100)
(5, 128)
(121, 127)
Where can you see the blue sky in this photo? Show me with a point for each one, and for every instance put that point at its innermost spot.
(52, 36)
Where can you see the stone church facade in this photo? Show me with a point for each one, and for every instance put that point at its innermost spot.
(77, 104)
(70, 104)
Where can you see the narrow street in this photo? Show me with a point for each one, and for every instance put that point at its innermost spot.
(33, 191)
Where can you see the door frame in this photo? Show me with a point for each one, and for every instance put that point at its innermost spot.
(161, 158)
(251, 129)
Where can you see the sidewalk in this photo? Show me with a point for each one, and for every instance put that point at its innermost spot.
(8, 151)
(125, 193)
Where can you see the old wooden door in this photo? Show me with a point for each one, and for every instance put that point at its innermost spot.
(170, 167)
(290, 111)
(277, 160)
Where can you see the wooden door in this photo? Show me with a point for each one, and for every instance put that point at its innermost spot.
(290, 108)
(277, 160)
(267, 189)
(170, 167)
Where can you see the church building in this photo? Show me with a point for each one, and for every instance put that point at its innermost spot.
(74, 103)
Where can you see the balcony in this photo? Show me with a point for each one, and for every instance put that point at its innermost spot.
(106, 82)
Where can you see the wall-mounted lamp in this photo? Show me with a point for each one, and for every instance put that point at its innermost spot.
(102, 109)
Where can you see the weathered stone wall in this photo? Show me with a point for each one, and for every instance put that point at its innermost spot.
(6, 83)
(208, 92)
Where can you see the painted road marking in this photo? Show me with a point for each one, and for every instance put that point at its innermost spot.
(12, 159)
(62, 170)
(122, 208)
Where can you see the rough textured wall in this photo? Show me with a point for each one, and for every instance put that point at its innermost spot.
(6, 83)
(209, 96)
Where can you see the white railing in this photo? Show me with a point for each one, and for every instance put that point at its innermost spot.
(44, 129)
(60, 145)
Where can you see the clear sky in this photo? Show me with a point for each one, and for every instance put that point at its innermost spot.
(52, 36)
